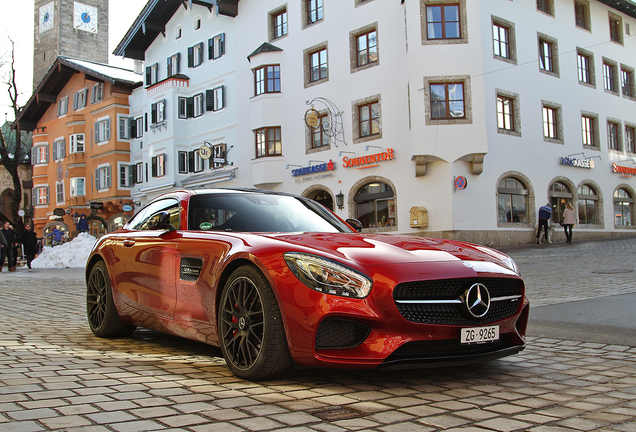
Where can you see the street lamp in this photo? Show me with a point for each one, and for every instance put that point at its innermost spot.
(76, 218)
(340, 200)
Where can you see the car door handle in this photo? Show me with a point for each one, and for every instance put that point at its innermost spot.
(129, 243)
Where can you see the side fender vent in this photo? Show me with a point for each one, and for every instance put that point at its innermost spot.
(190, 269)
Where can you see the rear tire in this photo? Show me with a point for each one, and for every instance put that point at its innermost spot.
(251, 331)
(102, 315)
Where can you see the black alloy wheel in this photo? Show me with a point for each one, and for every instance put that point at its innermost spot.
(252, 334)
(102, 315)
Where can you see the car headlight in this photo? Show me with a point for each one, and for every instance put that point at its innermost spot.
(512, 265)
(328, 277)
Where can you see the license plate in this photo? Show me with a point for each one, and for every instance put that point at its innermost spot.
(479, 334)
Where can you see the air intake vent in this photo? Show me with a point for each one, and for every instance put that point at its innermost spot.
(190, 269)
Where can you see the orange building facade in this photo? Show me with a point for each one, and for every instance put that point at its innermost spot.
(81, 150)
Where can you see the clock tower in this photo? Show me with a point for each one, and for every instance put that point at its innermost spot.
(70, 28)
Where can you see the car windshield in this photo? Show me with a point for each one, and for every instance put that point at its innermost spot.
(255, 212)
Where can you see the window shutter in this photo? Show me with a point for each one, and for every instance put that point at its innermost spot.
(210, 48)
(222, 98)
(148, 75)
(96, 131)
(63, 148)
(201, 54)
(75, 100)
(97, 179)
(153, 113)
(209, 100)
(169, 66)
(145, 122)
(34, 197)
(46, 153)
(156, 70)
(153, 169)
(178, 62)
(59, 108)
(108, 176)
(107, 130)
(47, 195)
(191, 161)
(122, 176)
(132, 175)
(94, 94)
(132, 123)
(222, 44)
(190, 107)
(190, 57)
(55, 151)
(33, 161)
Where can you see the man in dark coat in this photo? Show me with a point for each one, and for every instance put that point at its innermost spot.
(7, 250)
(30, 242)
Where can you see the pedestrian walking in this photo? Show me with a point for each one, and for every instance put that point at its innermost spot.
(7, 251)
(3, 247)
(29, 243)
(545, 212)
(568, 222)
(16, 246)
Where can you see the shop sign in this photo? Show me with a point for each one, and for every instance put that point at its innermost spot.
(623, 170)
(126, 207)
(579, 163)
(368, 160)
(97, 205)
(314, 169)
(59, 212)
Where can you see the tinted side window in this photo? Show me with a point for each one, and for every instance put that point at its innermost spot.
(140, 221)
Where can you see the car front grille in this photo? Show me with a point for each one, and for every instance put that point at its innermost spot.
(334, 333)
(441, 301)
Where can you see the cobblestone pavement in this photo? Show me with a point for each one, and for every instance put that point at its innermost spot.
(54, 375)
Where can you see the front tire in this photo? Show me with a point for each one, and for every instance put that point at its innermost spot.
(102, 315)
(251, 331)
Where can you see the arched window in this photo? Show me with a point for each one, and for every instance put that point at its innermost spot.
(588, 205)
(375, 205)
(512, 199)
(559, 195)
(117, 222)
(623, 208)
(323, 197)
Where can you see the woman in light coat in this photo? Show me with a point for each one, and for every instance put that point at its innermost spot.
(568, 222)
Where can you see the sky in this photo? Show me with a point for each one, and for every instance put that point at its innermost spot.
(16, 22)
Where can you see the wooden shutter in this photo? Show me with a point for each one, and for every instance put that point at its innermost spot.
(191, 161)
(153, 113)
(55, 150)
(190, 107)
(190, 57)
(107, 129)
(153, 168)
(209, 100)
(148, 75)
(96, 132)
(169, 67)
(210, 48)
(97, 179)
(108, 176)
(221, 45)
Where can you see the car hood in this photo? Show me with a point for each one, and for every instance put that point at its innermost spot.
(384, 249)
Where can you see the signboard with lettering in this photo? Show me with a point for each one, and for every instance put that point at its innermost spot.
(97, 205)
(579, 163)
(370, 160)
(314, 169)
(623, 170)
(59, 212)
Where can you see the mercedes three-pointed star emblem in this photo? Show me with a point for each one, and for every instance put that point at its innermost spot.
(477, 300)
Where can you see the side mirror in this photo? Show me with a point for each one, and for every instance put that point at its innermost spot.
(161, 221)
(355, 224)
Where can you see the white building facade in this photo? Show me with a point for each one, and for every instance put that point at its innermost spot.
(453, 119)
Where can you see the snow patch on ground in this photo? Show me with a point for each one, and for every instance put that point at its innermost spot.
(68, 255)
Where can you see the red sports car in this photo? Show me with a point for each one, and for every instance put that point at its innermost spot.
(279, 282)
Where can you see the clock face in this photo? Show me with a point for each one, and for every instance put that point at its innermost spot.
(85, 17)
(46, 16)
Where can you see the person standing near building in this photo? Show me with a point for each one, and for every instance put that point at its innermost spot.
(57, 237)
(82, 225)
(545, 212)
(7, 250)
(30, 243)
(568, 222)
(3, 248)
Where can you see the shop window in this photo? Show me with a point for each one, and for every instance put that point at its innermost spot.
(512, 199)
(588, 205)
(623, 208)
(375, 205)
(560, 194)
(322, 197)
(117, 222)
